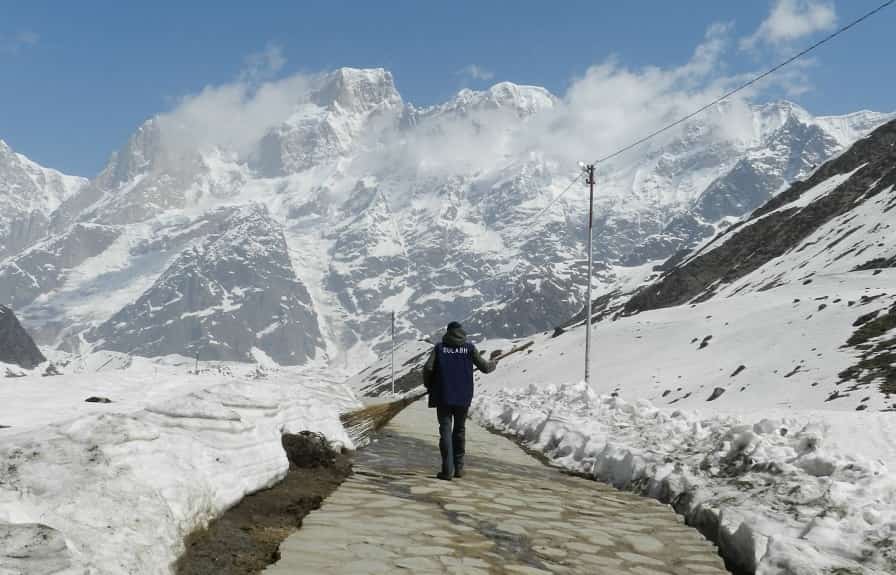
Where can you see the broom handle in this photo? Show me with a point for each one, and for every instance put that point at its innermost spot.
(514, 350)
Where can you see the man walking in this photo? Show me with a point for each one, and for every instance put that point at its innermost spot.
(448, 376)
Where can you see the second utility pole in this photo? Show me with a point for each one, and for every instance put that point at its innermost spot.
(589, 174)
(393, 352)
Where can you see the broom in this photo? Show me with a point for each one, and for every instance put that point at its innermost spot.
(361, 423)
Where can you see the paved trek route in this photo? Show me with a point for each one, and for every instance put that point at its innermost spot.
(508, 514)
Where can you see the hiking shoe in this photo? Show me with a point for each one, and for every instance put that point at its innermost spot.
(443, 476)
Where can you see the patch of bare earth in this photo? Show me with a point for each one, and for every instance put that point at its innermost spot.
(246, 538)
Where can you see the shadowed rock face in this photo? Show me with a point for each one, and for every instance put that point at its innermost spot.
(683, 232)
(794, 151)
(16, 346)
(231, 293)
(775, 228)
(44, 267)
(534, 306)
(22, 229)
(790, 152)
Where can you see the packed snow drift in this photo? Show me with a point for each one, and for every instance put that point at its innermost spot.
(107, 468)
(779, 491)
(734, 411)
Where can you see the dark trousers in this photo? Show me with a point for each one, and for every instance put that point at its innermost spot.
(451, 438)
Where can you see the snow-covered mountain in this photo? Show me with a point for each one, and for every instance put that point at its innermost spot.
(226, 297)
(29, 193)
(380, 206)
(787, 144)
(750, 383)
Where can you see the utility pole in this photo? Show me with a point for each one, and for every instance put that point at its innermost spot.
(589, 174)
(393, 352)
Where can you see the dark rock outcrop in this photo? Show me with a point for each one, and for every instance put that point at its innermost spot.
(44, 267)
(16, 346)
(875, 340)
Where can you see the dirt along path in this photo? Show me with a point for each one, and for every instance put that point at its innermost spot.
(509, 514)
(246, 538)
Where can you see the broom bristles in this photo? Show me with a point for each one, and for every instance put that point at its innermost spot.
(361, 423)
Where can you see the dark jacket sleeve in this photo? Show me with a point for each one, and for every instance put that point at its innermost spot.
(429, 370)
(484, 365)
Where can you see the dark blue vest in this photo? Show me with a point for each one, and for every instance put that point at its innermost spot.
(454, 375)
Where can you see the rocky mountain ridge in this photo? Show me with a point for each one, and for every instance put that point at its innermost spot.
(834, 193)
(378, 205)
(29, 194)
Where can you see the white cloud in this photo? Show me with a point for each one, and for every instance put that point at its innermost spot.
(608, 107)
(476, 72)
(236, 115)
(792, 20)
(15, 43)
(611, 105)
(793, 81)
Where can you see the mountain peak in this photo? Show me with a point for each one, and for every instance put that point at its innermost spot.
(522, 99)
(357, 89)
(773, 115)
(844, 129)
(138, 155)
(32, 186)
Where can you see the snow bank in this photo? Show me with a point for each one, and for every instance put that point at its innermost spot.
(773, 493)
(117, 491)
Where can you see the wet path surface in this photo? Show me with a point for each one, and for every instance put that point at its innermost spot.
(508, 514)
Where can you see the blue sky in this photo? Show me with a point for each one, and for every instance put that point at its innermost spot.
(78, 77)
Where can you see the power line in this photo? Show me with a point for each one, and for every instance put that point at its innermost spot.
(727, 95)
(748, 83)
(702, 109)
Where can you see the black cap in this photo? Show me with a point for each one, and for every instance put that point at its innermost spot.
(454, 325)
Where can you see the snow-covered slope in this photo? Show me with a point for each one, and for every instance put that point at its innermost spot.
(838, 223)
(751, 384)
(29, 193)
(89, 487)
(781, 492)
(388, 207)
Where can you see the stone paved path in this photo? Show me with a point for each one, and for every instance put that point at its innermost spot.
(509, 515)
